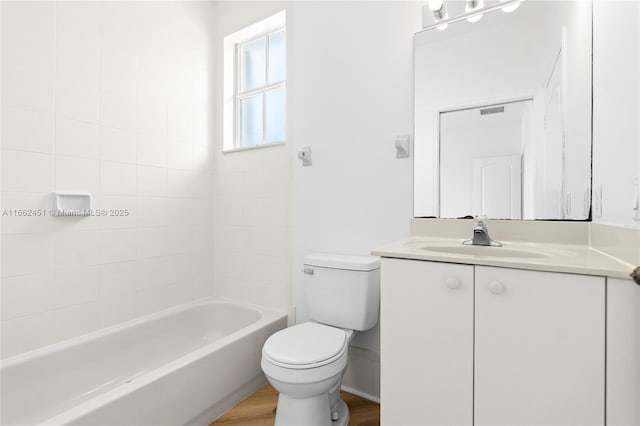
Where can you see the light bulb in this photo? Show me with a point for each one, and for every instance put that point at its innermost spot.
(510, 8)
(439, 13)
(435, 5)
(475, 18)
(474, 5)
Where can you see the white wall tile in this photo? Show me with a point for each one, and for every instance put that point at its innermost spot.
(152, 181)
(77, 174)
(28, 55)
(118, 309)
(27, 253)
(152, 149)
(78, 60)
(117, 178)
(203, 158)
(188, 183)
(27, 171)
(153, 22)
(180, 293)
(77, 248)
(26, 294)
(126, 208)
(27, 130)
(119, 83)
(26, 333)
(118, 290)
(40, 222)
(230, 212)
(75, 285)
(153, 211)
(183, 239)
(233, 238)
(77, 139)
(151, 300)
(152, 272)
(232, 185)
(117, 245)
(200, 211)
(116, 278)
(152, 242)
(268, 241)
(203, 282)
(181, 156)
(76, 320)
(98, 121)
(118, 145)
(180, 268)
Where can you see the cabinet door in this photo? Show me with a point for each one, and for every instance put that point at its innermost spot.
(426, 332)
(539, 348)
(623, 353)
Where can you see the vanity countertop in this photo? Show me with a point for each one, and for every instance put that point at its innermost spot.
(569, 258)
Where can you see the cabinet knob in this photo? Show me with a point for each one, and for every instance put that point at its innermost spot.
(452, 283)
(496, 287)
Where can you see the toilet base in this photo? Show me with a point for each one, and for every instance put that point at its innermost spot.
(343, 413)
(314, 411)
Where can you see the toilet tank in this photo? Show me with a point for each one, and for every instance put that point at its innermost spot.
(343, 290)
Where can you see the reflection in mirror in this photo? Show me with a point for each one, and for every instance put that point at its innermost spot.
(482, 158)
(503, 115)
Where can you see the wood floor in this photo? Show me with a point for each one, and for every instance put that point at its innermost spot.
(260, 410)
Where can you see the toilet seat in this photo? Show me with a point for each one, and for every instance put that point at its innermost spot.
(306, 345)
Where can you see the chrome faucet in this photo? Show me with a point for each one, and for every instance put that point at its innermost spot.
(481, 234)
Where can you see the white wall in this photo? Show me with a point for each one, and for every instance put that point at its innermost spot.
(113, 98)
(616, 113)
(253, 196)
(351, 95)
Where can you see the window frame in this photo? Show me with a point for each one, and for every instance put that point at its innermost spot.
(238, 96)
(267, 25)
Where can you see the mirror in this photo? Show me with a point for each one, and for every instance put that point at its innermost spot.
(503, 114)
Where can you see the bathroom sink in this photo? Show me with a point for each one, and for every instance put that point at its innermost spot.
(485, 251)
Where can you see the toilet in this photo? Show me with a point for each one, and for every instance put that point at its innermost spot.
(305, 363)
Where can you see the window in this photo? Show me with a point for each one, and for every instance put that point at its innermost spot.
(255, 85)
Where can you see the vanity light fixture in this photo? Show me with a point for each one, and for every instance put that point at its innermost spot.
(474, 11)
(439, 13)
(510, 7)
(473, 5)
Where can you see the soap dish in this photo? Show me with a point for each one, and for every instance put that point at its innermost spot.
(72, 203)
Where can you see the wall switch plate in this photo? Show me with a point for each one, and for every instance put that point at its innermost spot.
(402, 144)
(305, 155)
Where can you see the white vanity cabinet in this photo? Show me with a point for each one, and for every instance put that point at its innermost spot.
(426, 333)
(464, 344)
(539, 348)
(623, 353)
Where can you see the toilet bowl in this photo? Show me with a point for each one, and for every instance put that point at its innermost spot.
(305, 364)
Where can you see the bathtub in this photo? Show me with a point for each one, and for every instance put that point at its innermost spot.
(185, 365)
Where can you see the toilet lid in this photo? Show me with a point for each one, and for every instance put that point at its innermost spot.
(306, 343)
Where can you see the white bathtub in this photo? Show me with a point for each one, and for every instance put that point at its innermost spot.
(186, 365)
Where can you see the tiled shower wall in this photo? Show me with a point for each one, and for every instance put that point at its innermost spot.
(253, 197)
(115, 99)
